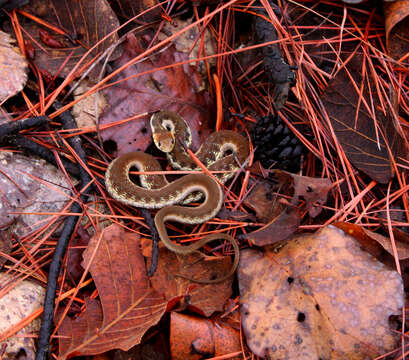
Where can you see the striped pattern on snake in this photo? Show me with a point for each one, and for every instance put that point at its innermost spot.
(157, 192)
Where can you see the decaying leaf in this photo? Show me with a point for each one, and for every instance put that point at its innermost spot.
(283, 219)
(21, 301)
(176, 89)
(5, 246)
(196, 338)
(29, 184)
(313, 190)
(375, 243)
(396, 25)
(320, 297)
(204, 299)
(85, 22)
(127, 306)
(279, 229)
(145, 10)
(85, 111)
(13, 68)
(360, 133)
(196, 42)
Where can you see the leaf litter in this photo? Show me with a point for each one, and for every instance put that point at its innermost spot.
(354, 196)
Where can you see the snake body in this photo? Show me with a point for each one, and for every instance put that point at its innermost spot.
(171, 134)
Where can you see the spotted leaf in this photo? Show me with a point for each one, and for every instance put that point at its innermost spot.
(320, 297)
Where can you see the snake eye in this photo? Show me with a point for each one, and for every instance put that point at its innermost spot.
(168, 125)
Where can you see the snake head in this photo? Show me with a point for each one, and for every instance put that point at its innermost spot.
(163, 130)
(164, 141)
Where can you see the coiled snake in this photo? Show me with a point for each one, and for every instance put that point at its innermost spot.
(172, 135)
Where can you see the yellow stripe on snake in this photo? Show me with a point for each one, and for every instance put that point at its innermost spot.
(172, 135)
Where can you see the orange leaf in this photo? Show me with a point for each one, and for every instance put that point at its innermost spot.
(127, 307)
(196, 338)
(204, 299)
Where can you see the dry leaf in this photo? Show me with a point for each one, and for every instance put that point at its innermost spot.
(204, 299)
(21, 301)
(147, 10)
(320, 297)
(397, 25)
(84, 111)
(86, 20)
(176, 89)
(5, 246)
(127, 307)
(363, 144)
(196, 338)
(13, 68)
(196, 42)
(282, 219)
(313, 190)
(374, 243)
(262, 198)
(29, 184)
(279, 229)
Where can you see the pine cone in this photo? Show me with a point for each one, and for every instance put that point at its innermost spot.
(276, 146)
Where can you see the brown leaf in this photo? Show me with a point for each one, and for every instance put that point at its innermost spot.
(283, 219)
(321, 296)
(397, 25)
(358, 137)
(127, 307)
(313, 190)
(196, 338)
(204, 299)
(176, 89)
(263, 199)
(130, 8)
(374, 243)
(279, 229)
(5, 246)
(86, 20)
(13, 68)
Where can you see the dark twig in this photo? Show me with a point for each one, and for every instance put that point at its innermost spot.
(44, 153)
(13, 127)
(69, 225)
(155, 240)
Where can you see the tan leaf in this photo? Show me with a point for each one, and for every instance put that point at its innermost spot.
(13, 68)
(204, 299)
(21, 301)
(29, 185)
(196, 338)
(320, 297)
(127, 307)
